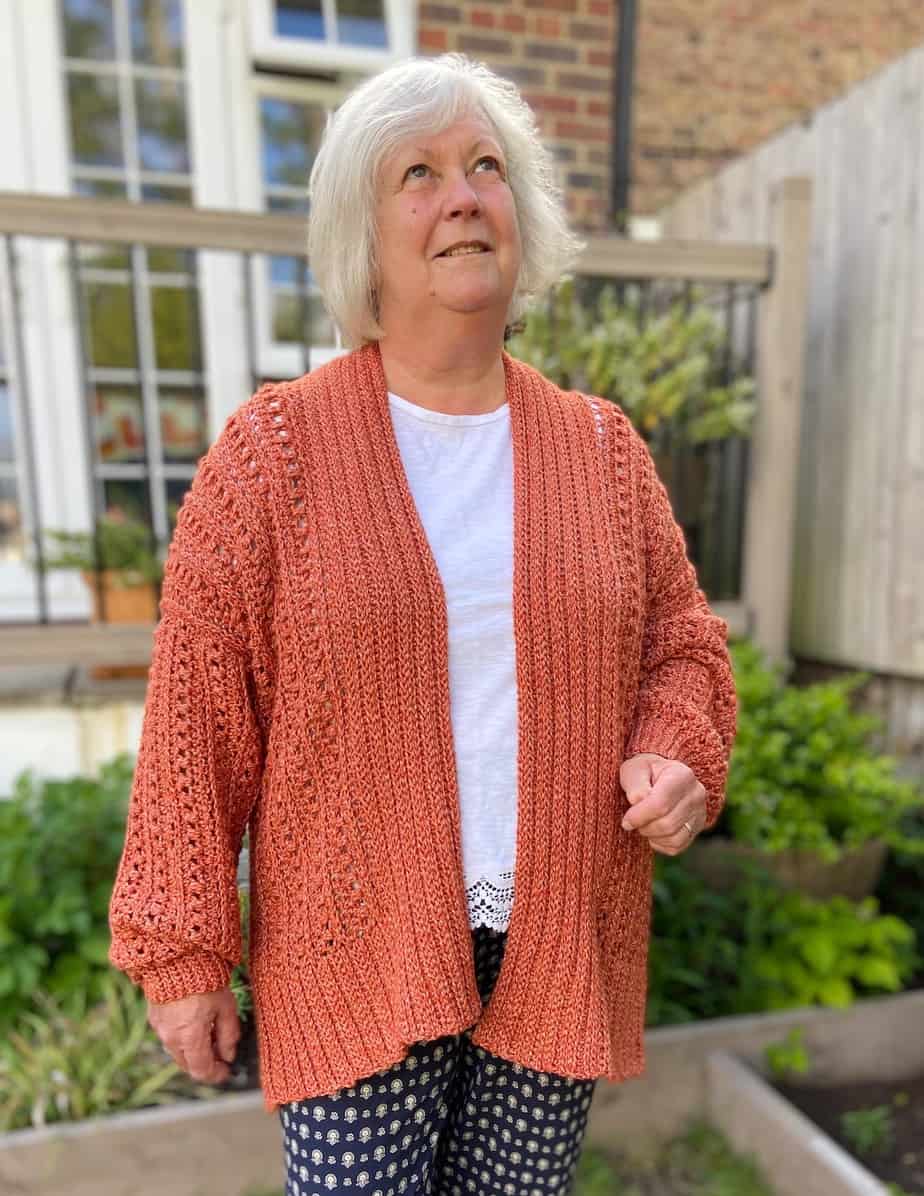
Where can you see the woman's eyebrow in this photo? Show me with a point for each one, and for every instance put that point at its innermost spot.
(422, 149)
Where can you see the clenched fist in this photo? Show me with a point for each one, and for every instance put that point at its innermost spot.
(200, 1032)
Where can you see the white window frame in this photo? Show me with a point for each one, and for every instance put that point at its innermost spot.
(270, 50)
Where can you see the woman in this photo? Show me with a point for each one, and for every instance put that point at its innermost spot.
(429, 629)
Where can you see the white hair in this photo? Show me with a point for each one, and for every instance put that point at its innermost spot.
(425, 94)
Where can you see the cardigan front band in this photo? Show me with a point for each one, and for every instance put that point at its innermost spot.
(299, 687)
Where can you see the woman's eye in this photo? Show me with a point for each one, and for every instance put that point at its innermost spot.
(410, 173)
(489, 158)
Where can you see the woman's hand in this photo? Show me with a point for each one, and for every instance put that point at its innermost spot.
(663, 794)
(200, 1032)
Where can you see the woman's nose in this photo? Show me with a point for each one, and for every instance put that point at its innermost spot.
(461, 197)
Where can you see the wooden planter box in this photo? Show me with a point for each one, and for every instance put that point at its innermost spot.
(855, 875)
(710, 1068)
(121, 604)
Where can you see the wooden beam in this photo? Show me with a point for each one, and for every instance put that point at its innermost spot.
(121, 643)
(770, 517)
(106, 221)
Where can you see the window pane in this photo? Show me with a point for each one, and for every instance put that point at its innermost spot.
(127, 498)
(163, 193)
(96, 135)
(104, 257)
(291, 135)
(298, 320)
(176, 328)
(162, 141)
(118, 422)
(300, 18)
(286, 203)
(7, 447)
(88, 30)
(100, 188)
(182, 424)
(176, 488)
(361, 23)
(12, 539)
(157, 32)
(111, 332)
(171, 261)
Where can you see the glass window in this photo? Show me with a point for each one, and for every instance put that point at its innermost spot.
(176, 328)
(110, 324)
(161, 193)
(157, 32)
(12, 537)
(361, 23)
(300, 18)
(100, 188)
(176, 489)
(118, 424)
(356, 22)
(96, 130)
(7, 453)
(118, 148)
(88, 29)
(127, 498)
(162, 141)
(183, 430)
(291, 135)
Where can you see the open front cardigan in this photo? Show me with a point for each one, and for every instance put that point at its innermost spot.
(299, 686)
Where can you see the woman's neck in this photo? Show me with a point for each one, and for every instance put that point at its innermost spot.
(464, 376)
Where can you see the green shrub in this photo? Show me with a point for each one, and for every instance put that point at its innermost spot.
(869, 1131)
(122, 544)
(756, 948)
(61, 1064)
(60, 842)
(661, 369)
(789, 1057)
(802, 773)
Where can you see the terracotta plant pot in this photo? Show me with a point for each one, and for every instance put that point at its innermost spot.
(122, 604)
(855, 875)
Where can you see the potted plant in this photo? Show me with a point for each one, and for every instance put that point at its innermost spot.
(664, 369)
(807, 796)
(119, 565)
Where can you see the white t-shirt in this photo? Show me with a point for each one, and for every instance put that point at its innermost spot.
(460, 472)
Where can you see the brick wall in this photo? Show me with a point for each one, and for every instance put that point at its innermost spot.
(559, 53)
(713, 78)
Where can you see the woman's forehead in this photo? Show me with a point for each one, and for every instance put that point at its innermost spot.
(465, 130)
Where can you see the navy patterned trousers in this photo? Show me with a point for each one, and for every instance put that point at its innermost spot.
(450, 1119)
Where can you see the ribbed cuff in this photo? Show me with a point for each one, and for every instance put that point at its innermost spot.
(653, 734)
(199, 972)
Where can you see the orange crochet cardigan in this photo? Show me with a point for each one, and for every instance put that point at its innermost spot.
(299, 686)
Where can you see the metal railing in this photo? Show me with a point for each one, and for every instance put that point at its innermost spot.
(653, 272)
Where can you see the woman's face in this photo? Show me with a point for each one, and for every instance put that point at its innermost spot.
(442, 190)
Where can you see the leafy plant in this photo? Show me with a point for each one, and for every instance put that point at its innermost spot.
(697, 1161)
(757, 948)
(122, 545)
(663, 369)
(869, 1131)
(802, 772)
(87, 1060)
(60, 842)
(788, 1057)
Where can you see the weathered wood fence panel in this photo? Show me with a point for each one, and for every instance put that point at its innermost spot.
(858, 570)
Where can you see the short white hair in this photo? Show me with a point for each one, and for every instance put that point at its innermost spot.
(425, 94)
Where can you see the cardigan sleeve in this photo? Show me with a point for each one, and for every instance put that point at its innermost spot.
(687, 705)
(174, 913)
